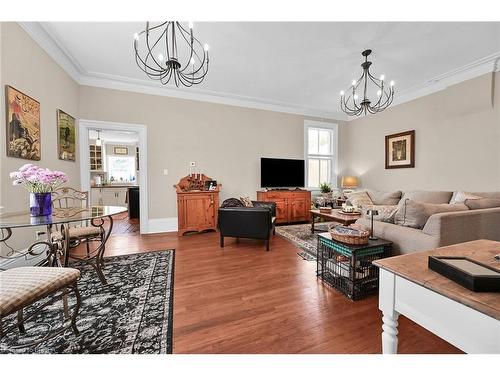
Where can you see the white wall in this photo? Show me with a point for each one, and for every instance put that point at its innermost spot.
(226, 142)
(457, 140)
(25, 66)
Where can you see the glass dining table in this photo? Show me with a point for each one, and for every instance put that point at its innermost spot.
(56, 246)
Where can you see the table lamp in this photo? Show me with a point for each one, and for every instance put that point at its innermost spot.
(348, 183)
(372, 213)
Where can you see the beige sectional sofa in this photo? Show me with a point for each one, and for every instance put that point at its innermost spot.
(441, 229)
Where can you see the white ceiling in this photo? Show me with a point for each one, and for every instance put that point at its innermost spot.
(300, 65)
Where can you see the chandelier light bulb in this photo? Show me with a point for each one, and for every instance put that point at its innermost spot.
(379, 92)
(382, 77)
(392, 83)
(160, 57)
(206, 47)
(342, 93)
(354, 82)
(192, 61)
(190, 23)
(355, 96)
(136, 36)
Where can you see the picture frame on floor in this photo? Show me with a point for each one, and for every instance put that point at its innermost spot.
(400, 150)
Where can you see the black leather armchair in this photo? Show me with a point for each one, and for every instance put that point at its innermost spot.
(247, 222)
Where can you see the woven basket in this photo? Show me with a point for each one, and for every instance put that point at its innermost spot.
(361, 239)
(325, 210)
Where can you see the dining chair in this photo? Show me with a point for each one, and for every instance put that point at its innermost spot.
(24, 286)
(67, 197)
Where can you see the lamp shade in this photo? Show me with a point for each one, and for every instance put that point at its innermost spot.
(349, 182)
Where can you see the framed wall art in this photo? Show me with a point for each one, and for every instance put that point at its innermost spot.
(23, 125)
(66, 136)
(120, 150)
(400, 150)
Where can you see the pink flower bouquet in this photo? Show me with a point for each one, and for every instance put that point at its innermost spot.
(38, 180)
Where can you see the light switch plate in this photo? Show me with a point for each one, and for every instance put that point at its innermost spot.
(192, 164)
(165, 172)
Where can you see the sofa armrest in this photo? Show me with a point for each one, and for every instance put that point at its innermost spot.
(462, 226)
(270, 205)
(405, 240)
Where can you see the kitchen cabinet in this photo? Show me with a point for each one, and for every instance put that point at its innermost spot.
(109, 196)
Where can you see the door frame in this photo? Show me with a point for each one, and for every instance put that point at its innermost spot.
(83, 132)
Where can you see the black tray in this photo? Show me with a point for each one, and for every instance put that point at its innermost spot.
(467, 272)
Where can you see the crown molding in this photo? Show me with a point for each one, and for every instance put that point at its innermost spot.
(49, 42)
(153, 88)
(54, 49)
(466, 72)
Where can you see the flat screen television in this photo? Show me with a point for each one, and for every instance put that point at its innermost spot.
(281, 173)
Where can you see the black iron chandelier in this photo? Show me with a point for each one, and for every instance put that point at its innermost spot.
(353, 105)
(168, 51)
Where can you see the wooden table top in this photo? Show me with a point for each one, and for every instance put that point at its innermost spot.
(337, 214)
(414, 267)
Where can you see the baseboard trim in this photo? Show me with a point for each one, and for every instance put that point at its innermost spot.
(162, 225)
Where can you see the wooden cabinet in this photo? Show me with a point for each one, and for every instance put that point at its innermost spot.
(197, 209)
(291, 205)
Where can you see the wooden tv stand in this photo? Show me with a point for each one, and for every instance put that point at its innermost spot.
(291, 205)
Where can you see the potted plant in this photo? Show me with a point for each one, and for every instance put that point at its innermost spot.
(326, 189)
(40, 182)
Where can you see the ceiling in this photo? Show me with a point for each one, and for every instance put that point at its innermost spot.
(300, 66)
(112, 136)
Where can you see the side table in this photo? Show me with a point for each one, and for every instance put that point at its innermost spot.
(348, 268)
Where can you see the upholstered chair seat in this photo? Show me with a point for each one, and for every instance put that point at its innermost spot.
(79, 232)
(22, 286)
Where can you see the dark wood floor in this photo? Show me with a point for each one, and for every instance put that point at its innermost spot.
(243, 299)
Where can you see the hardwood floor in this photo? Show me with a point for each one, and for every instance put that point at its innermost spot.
(242, 299)
(124, 225)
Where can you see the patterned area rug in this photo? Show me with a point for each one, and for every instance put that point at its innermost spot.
(300, 235)
(133, 314)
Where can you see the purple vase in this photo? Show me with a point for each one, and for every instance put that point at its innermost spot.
(40, 204)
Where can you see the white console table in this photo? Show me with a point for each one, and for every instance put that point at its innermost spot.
(470, 321)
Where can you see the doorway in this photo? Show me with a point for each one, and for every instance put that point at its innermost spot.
(113, 160)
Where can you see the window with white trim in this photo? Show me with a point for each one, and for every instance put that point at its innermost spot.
(321, 153)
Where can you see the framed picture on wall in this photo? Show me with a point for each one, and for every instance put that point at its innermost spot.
(400, 150)
(66, 136)
(120, 150)
(23, 125)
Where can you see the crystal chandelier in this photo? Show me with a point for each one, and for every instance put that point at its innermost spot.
(350, 103)
(168, 51)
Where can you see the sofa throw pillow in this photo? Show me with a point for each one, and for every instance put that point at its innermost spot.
(415, 214)
(359, 198)
(247, 202)
(477, 204)
(386, 213)
(462, 196)
(385, 198)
